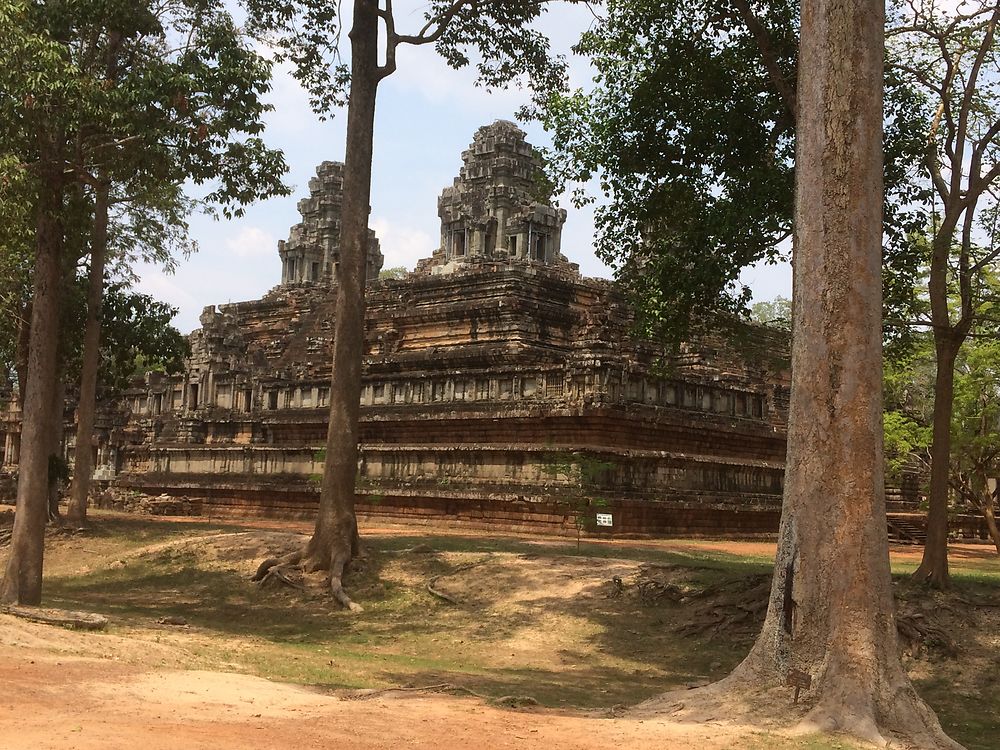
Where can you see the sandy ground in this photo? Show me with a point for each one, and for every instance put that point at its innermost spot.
(63, 689)
(52, 701)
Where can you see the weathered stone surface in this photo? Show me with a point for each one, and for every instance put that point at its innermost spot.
(501, 387)
(312, 250)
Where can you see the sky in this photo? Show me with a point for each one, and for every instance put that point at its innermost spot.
(426, 116)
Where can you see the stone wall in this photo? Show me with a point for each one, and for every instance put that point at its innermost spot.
(500, 386)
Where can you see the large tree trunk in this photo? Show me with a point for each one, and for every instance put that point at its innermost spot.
(83, 459)
(335, 539)
(22, 581)
(933, 567)
(830, 627)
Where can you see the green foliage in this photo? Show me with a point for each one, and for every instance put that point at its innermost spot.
(396, 272)
(689, 131)
(776, 313)
(589, 473)
(136, 336)
(976, 420)
(904, 437)
(495, 35)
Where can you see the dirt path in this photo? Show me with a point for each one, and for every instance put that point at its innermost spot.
(97, 704)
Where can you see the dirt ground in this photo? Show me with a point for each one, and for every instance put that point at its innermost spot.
(134, 687)
(97, 704)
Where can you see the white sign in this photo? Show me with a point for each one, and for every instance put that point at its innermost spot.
(604, 519)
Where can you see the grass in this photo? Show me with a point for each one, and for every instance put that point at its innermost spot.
(590, 652)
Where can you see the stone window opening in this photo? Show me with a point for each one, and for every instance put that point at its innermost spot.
(458, 243)
(314, 272)
(491, 237)
(538, 251)
(247, 399)
(512, 245)
(193, 396)
(272, 399)
(157, 403)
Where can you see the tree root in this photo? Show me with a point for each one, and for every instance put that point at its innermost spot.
(65, 617)
(432, 583)
(292, 558)
(917, 631)
(278, 575)
(899, 720)
(505, 701)
(277, 569)
(440, 594)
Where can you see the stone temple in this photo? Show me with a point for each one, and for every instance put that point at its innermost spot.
(501, 387)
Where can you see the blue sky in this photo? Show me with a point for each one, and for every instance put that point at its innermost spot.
(427, 114)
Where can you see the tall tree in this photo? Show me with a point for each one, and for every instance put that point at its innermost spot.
(188, 109)
(829, 616)
(951, 56)
(39, 85)
(307, 32)
(140, 157)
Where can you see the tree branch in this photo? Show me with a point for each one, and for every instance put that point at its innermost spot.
(768, 55)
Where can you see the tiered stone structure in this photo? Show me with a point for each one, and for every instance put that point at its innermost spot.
(501, 387)
(498, 208)
(312, 251)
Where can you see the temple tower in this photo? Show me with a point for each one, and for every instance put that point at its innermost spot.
(499, 207)
(312, 250)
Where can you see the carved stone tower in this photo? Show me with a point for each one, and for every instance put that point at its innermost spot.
(312, 250)
(498, 208)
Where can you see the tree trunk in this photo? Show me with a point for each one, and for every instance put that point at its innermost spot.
(335, 539)
(933, 568)
(83, 460)
(989, 514)
(22, 581)
(55, 451)
(830, 627)
(21, 359)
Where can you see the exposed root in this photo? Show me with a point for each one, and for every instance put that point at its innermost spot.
(64, 617)
(338, 593)
(432, 583)
(505, 701)
(899, 720)
(279, 569)
(440, 594)
(292, 558)
(279, 575)
(916, 631)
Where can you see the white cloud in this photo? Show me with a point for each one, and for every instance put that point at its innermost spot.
(252, 242)
(402, 245)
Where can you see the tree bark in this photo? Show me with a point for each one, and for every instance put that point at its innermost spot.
(55, 452)
(933, 568)
(335, 539)
(22, 581)
(83, 460)
(989, 513)
(23, 345)
(830, 620)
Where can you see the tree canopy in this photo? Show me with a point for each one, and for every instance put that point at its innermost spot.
(689, 131)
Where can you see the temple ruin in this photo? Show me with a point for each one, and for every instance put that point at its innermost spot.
(501, 387)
